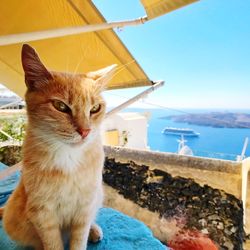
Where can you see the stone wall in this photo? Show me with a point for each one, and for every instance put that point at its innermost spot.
(10, 155)
(170, 193)
(221, 174)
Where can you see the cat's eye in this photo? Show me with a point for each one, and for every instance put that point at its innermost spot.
(95, 109)
(60, 106)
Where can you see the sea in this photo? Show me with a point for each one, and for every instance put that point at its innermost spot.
(220, 143)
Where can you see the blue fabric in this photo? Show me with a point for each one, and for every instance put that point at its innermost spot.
(121, 232)
(8, 184)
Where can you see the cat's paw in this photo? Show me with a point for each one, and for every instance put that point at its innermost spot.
(95, 233)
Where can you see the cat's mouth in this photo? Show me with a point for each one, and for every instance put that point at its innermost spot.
(78, 143)
(75, 140)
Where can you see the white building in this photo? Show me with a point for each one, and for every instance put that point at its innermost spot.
(127, 130)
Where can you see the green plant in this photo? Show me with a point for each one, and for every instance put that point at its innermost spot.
(13, 126)
(124, 136)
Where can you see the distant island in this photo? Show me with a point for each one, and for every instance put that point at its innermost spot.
(214, 119)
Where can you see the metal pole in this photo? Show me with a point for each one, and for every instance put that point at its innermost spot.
(7, 135)
(45, 34)
(9, 104)
(134, 99)
(244, 149)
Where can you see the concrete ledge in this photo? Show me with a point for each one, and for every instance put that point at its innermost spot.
(220, 174)
(159, 158)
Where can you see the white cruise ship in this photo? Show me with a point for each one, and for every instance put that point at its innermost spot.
(180, 131)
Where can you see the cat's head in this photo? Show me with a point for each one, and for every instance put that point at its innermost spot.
(63, 107)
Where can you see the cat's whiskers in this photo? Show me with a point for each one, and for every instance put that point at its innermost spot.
(42, 139)
(41, 144)
(67, 64)
(126, 64)
(54, 144)
(120, 69)
(77, 66)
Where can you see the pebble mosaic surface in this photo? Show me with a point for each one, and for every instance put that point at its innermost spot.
(210, 211)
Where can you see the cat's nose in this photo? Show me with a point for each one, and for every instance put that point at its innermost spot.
(83, 132)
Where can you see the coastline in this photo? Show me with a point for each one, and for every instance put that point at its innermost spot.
(214, 119)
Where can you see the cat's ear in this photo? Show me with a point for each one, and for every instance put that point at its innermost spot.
(35, 71)
(102, 76)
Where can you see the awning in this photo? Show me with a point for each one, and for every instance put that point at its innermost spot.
(80, 53)
(63, 48)
(155, 8)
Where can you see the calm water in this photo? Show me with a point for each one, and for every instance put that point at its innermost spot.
(224, 143)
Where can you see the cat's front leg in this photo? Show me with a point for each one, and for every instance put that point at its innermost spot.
(79, 235)
(47, 228)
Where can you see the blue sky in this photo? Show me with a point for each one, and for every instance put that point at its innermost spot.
(202, 51)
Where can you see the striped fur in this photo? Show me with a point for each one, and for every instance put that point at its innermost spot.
(61, 183)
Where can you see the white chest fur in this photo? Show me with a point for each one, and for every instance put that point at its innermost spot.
(81, 195)
(67, 158)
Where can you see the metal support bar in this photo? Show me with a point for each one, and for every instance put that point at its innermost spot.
(7, 135)
(134, 99)
(244, 148)
(45, 34)
(10, 104)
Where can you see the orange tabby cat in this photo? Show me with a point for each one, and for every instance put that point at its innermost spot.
(61, 184)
